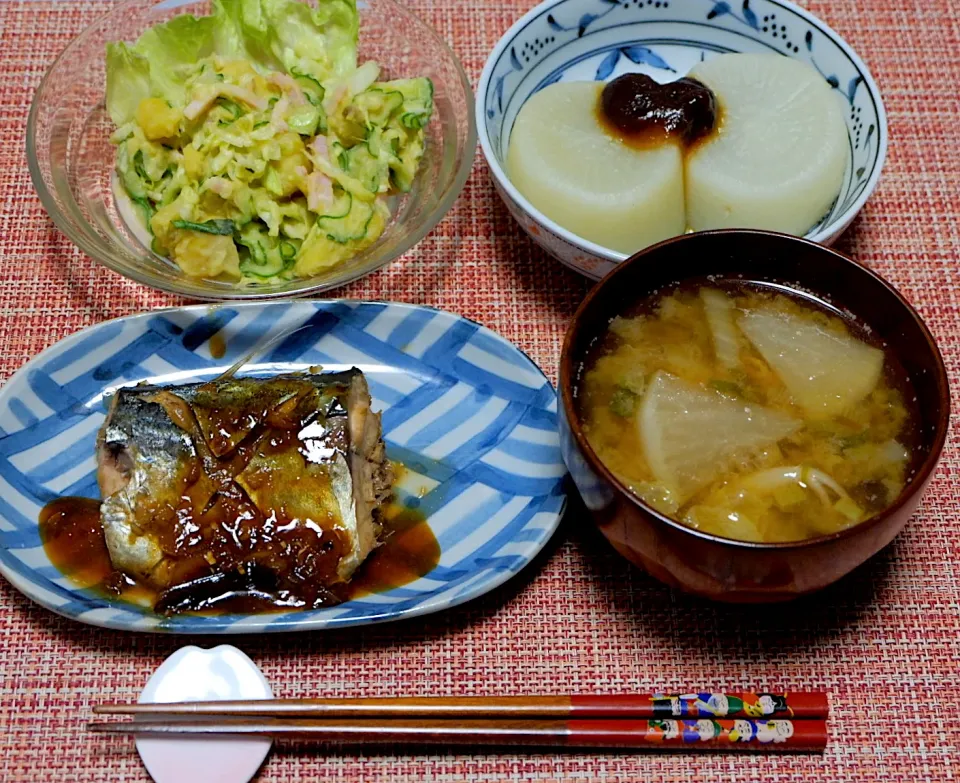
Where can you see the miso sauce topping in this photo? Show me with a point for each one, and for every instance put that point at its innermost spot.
(641, 112)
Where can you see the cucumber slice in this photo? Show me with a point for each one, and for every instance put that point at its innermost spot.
(378, 106)
(349, 226)
(417, 101)
(414, 120)
(139, 168)
(374, 141)
(418, 90)
(266, 257)
(288, 252)
(404, 168)
(128, 170)
(305, 120)
(339, 153)
(146, 209)
(366, 167)
(383, 144)
(232, 111)
(132, 184)
(340, 207)
(312, 89)
(249, 268)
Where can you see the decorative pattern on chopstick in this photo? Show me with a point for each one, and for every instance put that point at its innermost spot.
(799, 705)
(702, 734)
(703, 705)
(655, 734)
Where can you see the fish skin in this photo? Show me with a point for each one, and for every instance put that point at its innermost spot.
(155, 451)
(142, 454)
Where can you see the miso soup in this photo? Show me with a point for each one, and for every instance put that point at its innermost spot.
(750, 412)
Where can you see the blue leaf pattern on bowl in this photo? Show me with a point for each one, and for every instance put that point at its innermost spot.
(585, 20)
(641, 55)
(552, 80)
(719, 9)
(607, 65)
(855, 82)
(584, 23)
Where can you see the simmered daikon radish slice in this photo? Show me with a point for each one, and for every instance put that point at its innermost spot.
(778, 159)
(825, 371)
(579, 175)
(719, 309)
(691, 436)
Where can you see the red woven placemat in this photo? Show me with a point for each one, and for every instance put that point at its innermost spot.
(885, 642)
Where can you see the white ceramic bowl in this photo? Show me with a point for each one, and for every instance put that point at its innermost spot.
(575, 40)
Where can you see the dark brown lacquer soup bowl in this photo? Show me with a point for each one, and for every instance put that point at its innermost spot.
(708, 565)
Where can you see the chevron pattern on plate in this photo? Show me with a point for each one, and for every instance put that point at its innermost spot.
(468, 414)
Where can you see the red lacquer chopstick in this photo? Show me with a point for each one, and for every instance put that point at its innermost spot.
(654, 734)
(797, 705)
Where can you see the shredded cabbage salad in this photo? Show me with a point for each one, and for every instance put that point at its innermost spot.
(254, 146)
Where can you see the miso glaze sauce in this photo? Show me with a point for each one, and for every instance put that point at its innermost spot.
(73, 539)
(410, 550)
(642, 113)
(218, 346)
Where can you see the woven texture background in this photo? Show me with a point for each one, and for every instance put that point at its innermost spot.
(885, 642)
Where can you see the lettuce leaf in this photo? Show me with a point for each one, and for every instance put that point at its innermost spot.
(323, 42)
(128, 82)
(283, 35)
(173, 50)
(289, 34)
(240, 32)
(157, 65)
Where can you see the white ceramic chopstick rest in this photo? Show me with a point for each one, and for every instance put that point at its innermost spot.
(194, 674)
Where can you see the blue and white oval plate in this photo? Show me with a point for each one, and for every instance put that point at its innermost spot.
(469, 415)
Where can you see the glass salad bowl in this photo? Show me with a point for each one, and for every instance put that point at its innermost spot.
(71, 157)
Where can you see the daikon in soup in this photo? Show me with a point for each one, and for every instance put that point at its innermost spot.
(749, 413)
